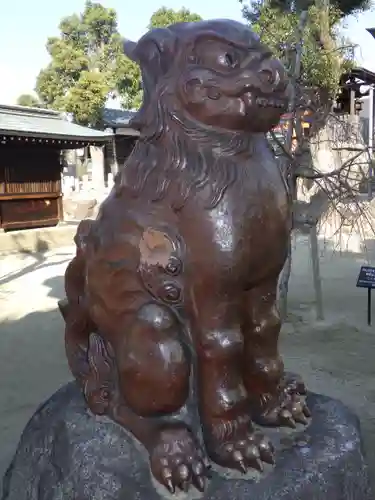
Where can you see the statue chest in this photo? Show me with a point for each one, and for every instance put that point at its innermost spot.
(245, 236)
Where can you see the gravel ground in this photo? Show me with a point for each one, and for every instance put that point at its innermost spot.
(335, 356)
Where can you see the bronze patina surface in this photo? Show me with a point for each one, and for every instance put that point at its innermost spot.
(171, 298)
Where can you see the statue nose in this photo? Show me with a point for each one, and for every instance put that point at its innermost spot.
(271, 70)
(270, 77)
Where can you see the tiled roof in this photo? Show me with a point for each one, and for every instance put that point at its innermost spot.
(45, 123)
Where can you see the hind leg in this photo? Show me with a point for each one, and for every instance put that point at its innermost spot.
(276, 398)
(152, 363)
(153, 373)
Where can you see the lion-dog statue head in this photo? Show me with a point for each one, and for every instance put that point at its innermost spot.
(214, 73)
(204, 83)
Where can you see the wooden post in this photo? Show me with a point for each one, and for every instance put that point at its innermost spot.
(369, 306)
(370, 140)
(314, 248)
(352, 102)
(60, 208)
(114, 150)
(97, 162)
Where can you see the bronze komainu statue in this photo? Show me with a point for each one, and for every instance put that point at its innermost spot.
(171, 298)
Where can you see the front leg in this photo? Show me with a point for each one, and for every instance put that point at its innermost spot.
(223, 401)
(277, 399)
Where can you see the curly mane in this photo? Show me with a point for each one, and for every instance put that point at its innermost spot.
(173, 149)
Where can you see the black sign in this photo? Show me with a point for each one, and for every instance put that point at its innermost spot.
(366, 277)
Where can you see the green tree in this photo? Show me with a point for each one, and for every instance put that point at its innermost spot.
(325, 53)
(164, 17)
(29, 101)
(88, 66)
(305, 35)
(344, 7)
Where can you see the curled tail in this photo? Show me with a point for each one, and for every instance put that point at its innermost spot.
(90, 357)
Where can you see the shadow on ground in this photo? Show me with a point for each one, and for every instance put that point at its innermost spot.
(32, 367)
(40, 263)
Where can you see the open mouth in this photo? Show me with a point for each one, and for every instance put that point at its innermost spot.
(263, 102)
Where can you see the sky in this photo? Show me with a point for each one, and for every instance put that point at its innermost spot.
(26, 25)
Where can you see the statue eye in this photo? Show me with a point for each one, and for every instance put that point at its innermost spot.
(230, 60)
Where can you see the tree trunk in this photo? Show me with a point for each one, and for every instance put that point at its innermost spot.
(285, 274)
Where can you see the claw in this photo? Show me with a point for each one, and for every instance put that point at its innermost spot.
(267, 456)
(183, 472)
(237, 455)
(199, 483)
(239, 459)
(267, 446)
(253, 458)
(256, 463)
(296, 408)
(306, 411)
(252, 452)
(285, 413)
(198, 468)
(166, 475)
(242, 466)
(169, 485)
(300, 418)
(185, 486)
(286, 419)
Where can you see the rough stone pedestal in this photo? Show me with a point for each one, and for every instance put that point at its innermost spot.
(65, 453)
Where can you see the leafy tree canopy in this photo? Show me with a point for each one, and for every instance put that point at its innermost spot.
(28, 100)
(325, 54)
(164, 17)
(87, 66)
(342, 7)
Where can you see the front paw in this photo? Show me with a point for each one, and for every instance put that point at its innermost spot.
(287, 407)
(243, 451)
(177, 461)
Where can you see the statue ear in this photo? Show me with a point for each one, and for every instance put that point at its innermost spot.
(154, 52)
(129, 49)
